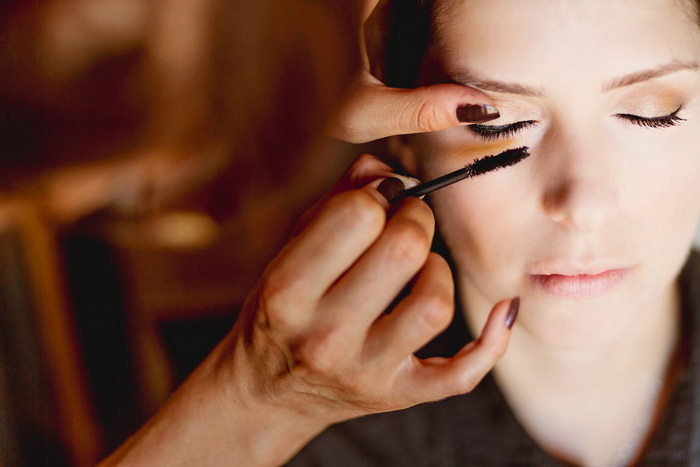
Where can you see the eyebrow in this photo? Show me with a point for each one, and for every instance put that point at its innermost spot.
(646, 75)
(469, 78)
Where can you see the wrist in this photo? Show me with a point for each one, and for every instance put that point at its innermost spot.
(220, 416)
(271, 421)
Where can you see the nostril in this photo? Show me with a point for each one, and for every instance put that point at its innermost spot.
(553, 204)
(582, 206)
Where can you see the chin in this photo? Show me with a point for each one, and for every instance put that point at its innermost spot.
(575, 324)
(570, 321)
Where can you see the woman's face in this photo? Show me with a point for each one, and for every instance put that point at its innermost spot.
(592, 229)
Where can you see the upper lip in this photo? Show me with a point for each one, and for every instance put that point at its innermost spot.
(575, 268)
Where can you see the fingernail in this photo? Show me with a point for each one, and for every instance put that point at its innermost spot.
(471, 113)
(408, 181)
(512, 312)
(390, 188)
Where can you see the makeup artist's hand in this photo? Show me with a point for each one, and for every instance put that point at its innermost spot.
(319, 346)
(313, 344)
(373, 110)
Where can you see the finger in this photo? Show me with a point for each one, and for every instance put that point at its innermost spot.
(437, 378)
(333, 233)
(417, 319)
(366, 171)
(369, 7)
(363, 171)
(375, 111)
(383, 271)
(346, 226)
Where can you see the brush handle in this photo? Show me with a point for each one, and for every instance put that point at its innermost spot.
(478, 167)
(432, 185)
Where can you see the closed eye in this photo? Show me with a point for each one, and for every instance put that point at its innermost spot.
(663, 121)
(495, 132)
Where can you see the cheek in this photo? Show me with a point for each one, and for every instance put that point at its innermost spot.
(493, 224)
(486, 222)
(671, 212)
(664, 188)
(482, 223)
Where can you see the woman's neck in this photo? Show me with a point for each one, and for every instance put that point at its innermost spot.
(583, 405)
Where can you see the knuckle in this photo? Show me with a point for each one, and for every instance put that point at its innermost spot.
(360, 209)
(411, 244)
(364, 160)
(441, 268)
(316, 356)
(436, 311)
(493, 350)
(469, 384)
(277, 300)
(363, 163)
(427, 117)
(420, 212)
(466, 381)
(498, 351)
(422, 114)
(362, 167)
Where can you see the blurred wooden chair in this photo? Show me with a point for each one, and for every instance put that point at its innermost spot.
(177, 268)
(46, 410)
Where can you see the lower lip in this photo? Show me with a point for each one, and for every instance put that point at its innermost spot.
(580, 286)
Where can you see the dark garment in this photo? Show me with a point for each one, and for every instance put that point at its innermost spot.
(479, 428)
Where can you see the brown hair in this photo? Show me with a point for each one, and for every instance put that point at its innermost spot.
(400, 36)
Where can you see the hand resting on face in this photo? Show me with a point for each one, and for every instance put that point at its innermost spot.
(373, 110)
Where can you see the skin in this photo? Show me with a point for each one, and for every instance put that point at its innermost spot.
(313, 346)
(373, 110)
(310, 349)
(599, 192)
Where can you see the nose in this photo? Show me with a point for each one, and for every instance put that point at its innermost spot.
(580, 191)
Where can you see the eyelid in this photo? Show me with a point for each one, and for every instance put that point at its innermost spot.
(660, 117)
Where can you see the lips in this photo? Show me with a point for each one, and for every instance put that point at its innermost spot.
(580, 285)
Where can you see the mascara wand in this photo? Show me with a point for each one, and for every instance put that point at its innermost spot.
(478, 167)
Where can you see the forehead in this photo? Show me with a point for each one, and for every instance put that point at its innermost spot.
(537, 40)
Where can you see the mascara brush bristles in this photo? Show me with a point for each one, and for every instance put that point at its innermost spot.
(490, 163)
(478, 167)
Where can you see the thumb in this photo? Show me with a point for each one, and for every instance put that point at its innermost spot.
(375, 111)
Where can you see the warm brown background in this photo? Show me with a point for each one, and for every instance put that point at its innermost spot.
(154, 154)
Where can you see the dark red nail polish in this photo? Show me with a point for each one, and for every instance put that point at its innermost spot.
(390, 188)
(471, 113)
(512, 312)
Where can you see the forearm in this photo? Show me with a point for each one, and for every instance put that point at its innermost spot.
(212, 420)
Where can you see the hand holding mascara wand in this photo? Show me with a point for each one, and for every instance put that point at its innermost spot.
(478, 167)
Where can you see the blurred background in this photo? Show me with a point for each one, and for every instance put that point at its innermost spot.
(154, 155)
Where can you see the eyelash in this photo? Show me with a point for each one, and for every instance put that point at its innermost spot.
(664, 121)
(493, 133)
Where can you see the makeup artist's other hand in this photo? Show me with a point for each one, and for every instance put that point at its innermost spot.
(373, 110)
